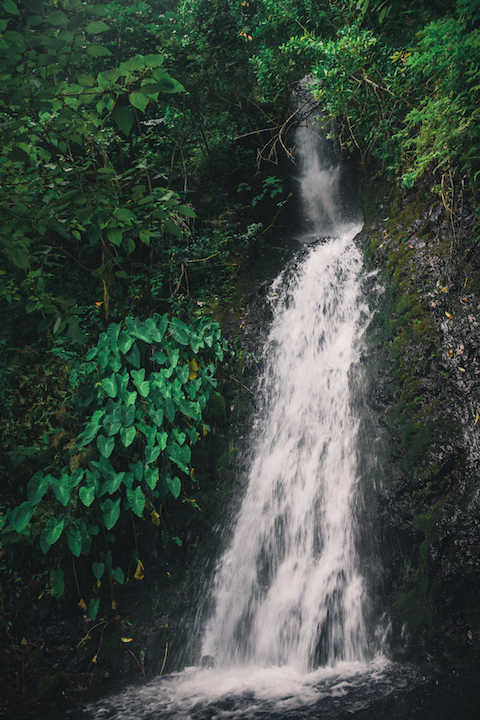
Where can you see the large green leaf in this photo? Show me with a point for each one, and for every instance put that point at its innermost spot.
(129, 415)
(87, 495)
(139, 330)
(97, 26)
(93, 608)
(57, 17)
(139, 100)
(135, 63)
(180, 455)
(57, 582)
(185, 210)
(166, 83)
(85, 80)
(137, 469)
(179, 331)
(151, 477)
(157, 417)
(98, 50)
(111, 512)
(151, 453)
(97, 10)
(74, 538)
(154, 60)
(21, 516)
(172, 228)
(37, 487)
(115, 236)
(87, 435)
(51, 532)
(138, 376)
(175, 486)
(170, 409)
(109, 384)
(62, 488)
(114, 482)
(156, 327)
(98, 569)
(124, 118)
(118, 575)
(162, 439)
(136, 500)
(125, 342)
(127, 436)
(111, 426)
(18, 256)
(10, 7)
(143, 386)
(105, 445)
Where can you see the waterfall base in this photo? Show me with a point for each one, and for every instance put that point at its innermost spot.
(361, 691)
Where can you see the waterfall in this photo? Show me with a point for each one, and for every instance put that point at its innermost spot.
(291, 630)
(288, 589)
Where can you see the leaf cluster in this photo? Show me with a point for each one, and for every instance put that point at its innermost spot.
(146, 386)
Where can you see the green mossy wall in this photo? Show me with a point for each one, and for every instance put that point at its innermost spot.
(427, 331)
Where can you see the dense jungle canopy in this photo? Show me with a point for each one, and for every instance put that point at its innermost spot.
(140, 175)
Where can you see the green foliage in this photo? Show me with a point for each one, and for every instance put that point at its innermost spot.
(413, 108)
(149, 384)
(444, 128)
(65, 192)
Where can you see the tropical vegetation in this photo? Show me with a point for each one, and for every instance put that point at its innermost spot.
(140, 168)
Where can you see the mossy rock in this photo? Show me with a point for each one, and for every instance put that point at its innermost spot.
(50, 685)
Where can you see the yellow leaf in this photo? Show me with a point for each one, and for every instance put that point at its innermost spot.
(114, 605)
(94, 659)
(139, 574)
(461, 369)
(448, 314)
(192, 473)
(155, 517)
(126, 639)
(445, 289)
(83, 604)
(476, 419)
(99, 582)
(193, 367)
(204, 429)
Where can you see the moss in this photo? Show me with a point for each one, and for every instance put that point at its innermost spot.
(52, 684)
(428, 498)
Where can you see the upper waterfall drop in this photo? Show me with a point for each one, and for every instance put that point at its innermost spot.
(288, 589)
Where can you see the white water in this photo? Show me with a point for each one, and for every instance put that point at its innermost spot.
(288, 590)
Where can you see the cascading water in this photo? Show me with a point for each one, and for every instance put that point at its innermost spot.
(288, 589)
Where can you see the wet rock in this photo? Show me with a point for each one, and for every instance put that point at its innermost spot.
(427, 393)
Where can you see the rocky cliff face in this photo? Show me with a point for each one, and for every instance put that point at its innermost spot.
(427, 388)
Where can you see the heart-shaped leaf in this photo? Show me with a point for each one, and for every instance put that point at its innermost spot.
(127, 436)
(111, 512)
(136, 499)
(98, 569)
(105, 445)
(87, 495)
